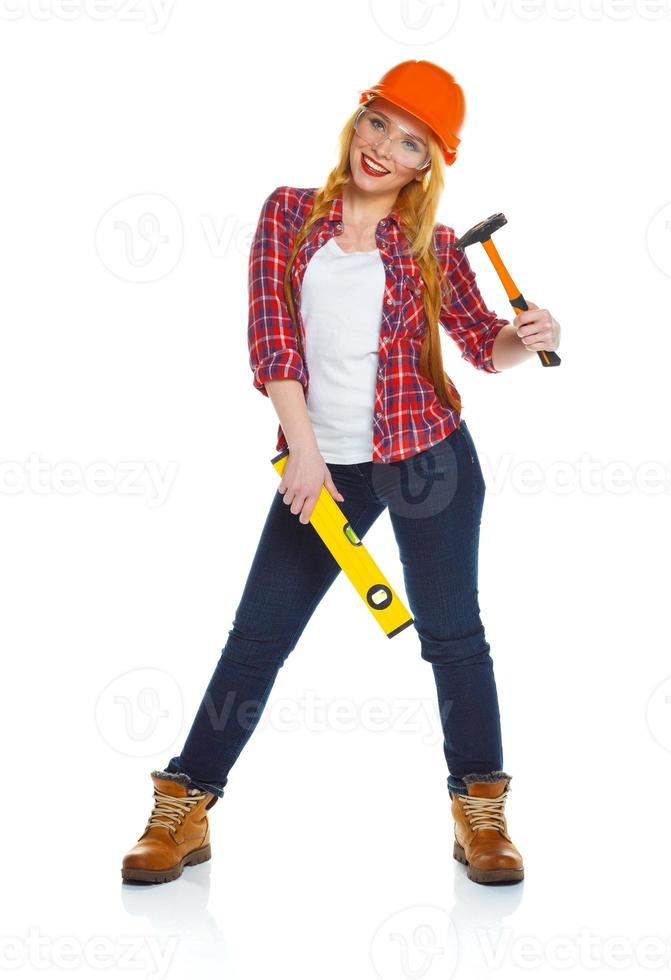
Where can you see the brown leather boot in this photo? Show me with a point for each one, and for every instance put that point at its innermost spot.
(481, 834)
(177, 832)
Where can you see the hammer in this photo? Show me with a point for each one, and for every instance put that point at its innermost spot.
(483, 232)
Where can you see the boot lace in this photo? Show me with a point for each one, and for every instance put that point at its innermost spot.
(169, 811)
(482, 812)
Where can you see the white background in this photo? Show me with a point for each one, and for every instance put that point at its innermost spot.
(332, 849)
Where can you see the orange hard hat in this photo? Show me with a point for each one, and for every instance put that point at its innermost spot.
(431, 94)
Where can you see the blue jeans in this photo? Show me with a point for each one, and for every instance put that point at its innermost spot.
(435, 502)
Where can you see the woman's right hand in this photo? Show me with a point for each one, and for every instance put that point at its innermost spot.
(304, 475)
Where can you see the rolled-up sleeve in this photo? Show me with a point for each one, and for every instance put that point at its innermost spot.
(273, 350)
(466, 317)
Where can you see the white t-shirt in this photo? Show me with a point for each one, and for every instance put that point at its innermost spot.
(341, 306)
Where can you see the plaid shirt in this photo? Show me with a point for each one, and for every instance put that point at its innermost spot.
(407, 418)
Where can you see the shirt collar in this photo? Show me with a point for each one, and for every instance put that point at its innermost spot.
(335, 214)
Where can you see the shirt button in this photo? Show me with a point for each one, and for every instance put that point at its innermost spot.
(389, 302)
(378, 415)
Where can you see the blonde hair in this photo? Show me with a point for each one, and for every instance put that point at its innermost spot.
(417, 204)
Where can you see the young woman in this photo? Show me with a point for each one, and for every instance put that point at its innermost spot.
(348, 286)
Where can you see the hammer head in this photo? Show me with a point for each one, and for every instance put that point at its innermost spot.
(483, 231)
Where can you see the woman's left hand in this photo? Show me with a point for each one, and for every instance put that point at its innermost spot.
(537, 329)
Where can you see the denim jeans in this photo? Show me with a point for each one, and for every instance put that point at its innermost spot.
(435, 500)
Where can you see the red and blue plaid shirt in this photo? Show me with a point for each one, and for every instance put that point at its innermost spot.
(408, 417)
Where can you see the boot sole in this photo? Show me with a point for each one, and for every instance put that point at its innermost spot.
(167, 874)
(485, 877)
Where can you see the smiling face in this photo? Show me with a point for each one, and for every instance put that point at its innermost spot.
(366, 160)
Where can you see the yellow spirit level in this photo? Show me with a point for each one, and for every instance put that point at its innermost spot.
(350, 552)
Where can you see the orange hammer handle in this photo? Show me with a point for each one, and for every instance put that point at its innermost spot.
(549, 358)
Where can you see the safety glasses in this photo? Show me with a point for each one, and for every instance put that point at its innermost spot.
(374, 127)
